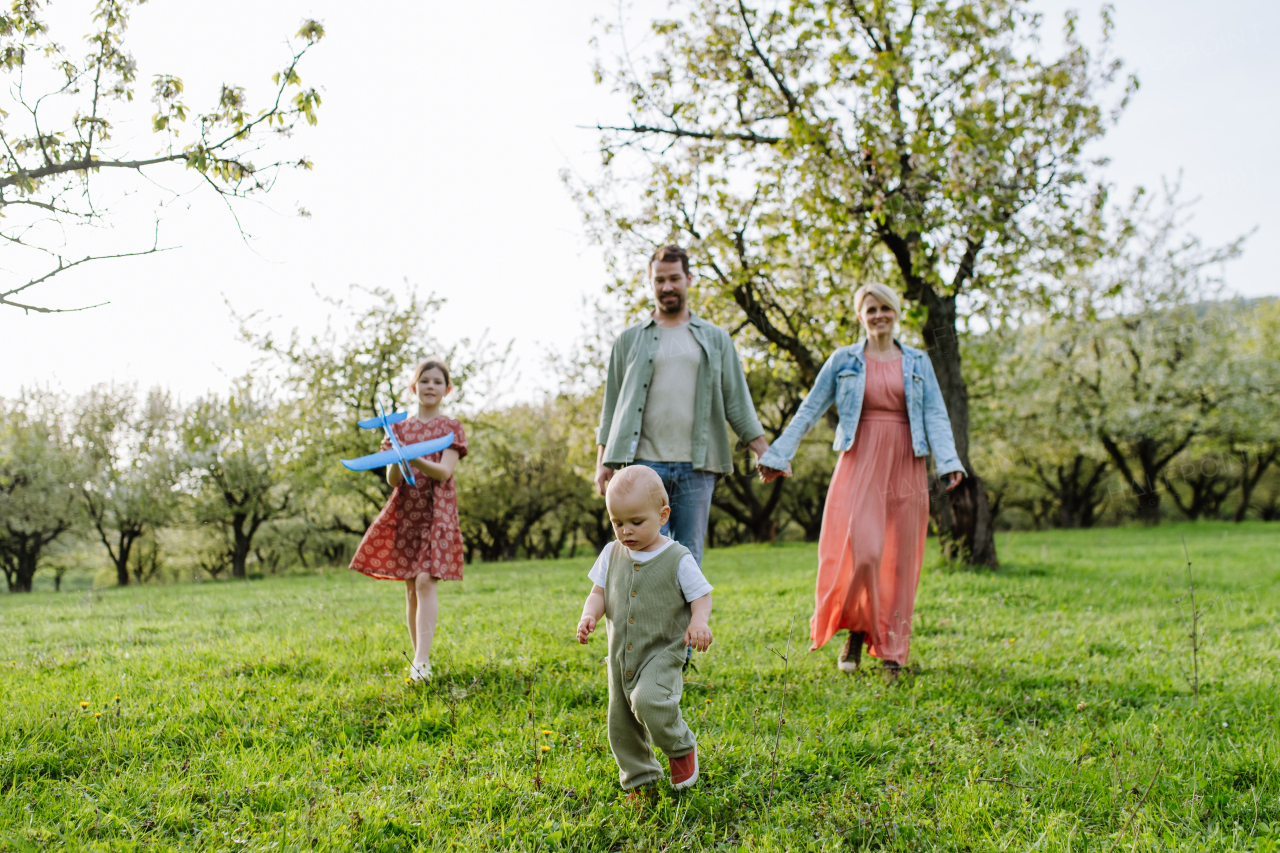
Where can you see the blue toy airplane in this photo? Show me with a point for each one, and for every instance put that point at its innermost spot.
(396, 455)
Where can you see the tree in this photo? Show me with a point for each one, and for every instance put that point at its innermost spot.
(239, 448)
(520, 490)
(337, 378)
(39, 482)
(131, 489)
(62, 135)
(1250, 426)
(1034, 429)
(810, 148)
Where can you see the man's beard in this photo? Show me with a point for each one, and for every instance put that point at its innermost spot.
(675, 307)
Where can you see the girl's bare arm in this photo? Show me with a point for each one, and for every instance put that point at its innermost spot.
(438, 471)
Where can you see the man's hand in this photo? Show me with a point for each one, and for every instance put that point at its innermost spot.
(586, 626)
(759, 445)
(698, 636)
(603, 472)
(603, 475)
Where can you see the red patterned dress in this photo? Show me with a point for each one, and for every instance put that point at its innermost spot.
(417, 532)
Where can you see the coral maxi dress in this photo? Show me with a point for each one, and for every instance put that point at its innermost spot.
(417, 532)
(874, 525)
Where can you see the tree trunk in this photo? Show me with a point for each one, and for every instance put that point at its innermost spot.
(1250, 481)
(241, 547)
(963, 515)
(121, 556)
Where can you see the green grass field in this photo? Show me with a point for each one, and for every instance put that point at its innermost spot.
(1046, 709)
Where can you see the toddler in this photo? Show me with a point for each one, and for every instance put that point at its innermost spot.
(658, 604)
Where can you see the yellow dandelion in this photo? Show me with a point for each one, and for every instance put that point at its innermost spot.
(546, 731)
(117, 698)
(406, 681)
(84, 704)
(708, 701)
(546, 749)
(96, 715)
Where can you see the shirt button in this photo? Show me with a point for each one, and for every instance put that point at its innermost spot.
(628, 647)
(628, 673)
(637, 568)
(633, 594)
(632, 621)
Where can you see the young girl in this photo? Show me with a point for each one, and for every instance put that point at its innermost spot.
(416, 537)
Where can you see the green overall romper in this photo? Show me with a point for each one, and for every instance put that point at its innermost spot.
(648, 617)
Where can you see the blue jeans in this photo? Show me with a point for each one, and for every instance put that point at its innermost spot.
(689, 492)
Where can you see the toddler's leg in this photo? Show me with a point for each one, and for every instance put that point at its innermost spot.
(655, 701)
(427, 607)
(628, 738)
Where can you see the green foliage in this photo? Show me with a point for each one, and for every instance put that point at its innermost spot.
(1045, 708)
(525, 489)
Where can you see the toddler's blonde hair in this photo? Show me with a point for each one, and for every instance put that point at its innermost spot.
(638, 477)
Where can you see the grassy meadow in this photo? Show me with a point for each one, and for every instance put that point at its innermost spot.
(1047, 707)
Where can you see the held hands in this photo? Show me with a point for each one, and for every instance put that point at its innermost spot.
(768, 475)
(698, 636)
(586, 626)
(953, 479)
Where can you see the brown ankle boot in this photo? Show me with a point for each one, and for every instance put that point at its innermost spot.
(851, 655)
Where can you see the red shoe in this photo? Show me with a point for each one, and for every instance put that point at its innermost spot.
(684, 770)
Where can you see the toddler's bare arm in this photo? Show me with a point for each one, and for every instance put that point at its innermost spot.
(699, 633)
(592, 610)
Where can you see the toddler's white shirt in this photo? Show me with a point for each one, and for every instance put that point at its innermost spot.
(692, 582)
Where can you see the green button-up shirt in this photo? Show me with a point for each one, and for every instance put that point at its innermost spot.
(722, 395)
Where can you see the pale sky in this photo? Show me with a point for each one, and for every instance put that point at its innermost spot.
(442, 134)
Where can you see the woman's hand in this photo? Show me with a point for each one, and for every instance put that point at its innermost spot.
(953, 479)
(768, 475)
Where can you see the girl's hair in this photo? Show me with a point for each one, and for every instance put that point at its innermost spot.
(883, 292)
(425, 365)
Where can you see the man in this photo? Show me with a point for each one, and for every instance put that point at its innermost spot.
(673, 381)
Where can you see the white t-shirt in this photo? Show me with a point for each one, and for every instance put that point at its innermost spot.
(692, 582)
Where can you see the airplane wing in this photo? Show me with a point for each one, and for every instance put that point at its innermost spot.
(390, 457)
(374, 423)
(373, 460)
(422, 448)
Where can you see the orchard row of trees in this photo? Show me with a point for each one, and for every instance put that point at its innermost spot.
(1174, 409)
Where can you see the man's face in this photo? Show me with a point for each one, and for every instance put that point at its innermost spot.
(670, 286)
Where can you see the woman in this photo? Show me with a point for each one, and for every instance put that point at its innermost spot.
(877, 512)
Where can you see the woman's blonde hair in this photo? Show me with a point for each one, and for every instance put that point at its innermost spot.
(425, 365)
(883, 292)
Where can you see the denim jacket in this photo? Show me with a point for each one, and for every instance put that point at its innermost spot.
(843, 380)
